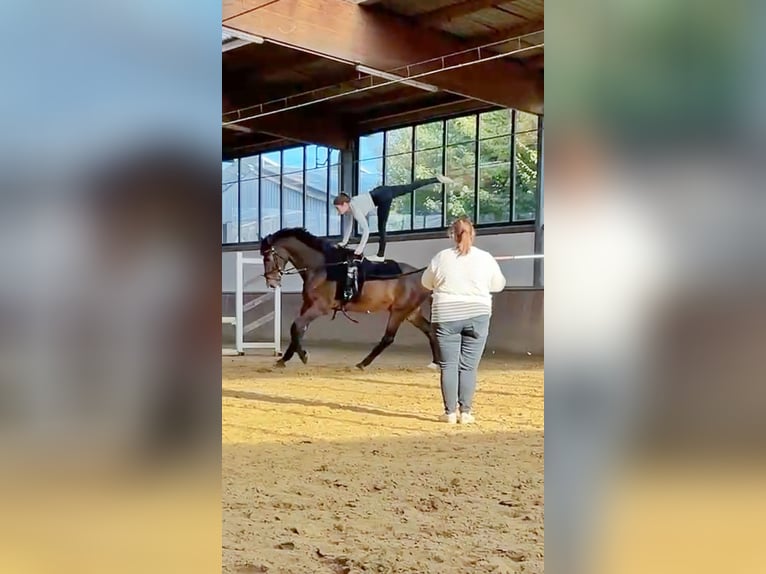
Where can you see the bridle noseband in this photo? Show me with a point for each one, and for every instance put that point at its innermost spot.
(281, 264)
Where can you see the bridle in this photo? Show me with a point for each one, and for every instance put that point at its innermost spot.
(281, 265)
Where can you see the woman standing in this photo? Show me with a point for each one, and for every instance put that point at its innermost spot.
(462, 279)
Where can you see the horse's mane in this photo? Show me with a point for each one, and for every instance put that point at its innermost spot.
(309, 239)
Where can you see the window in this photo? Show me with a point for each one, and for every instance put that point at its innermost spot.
(317, 172)
(398, 171)
(525, 162)
(292, 187)
(371, 147)
(230, 213)
(492, 156)
(495, 167)
(289, 188)
(249, 172)
(429, 162)
(335, 189)
(271, 164)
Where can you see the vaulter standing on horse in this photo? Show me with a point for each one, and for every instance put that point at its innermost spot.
(380, 199)
(358, 207)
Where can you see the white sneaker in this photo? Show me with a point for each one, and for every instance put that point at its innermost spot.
(450, 419)
(467, 418)
(376, 258)
(444, 179)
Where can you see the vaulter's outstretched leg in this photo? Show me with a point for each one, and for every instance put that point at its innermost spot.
(384, 195)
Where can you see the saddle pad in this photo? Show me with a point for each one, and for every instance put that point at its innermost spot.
(387, 269)
(367, 271)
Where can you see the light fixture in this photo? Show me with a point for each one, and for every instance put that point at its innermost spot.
(233, 44)
(396, 78)
(233, 38)
(238, 128)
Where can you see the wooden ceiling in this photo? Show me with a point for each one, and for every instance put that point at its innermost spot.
(313, 45)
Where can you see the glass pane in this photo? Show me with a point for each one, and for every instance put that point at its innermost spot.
(461, 165)
(495, 180)
(316, 201)
(292, 197)
(292, 160)
(497, 123)
(229, 221)
(429, 136)
(370, 174)
(460, 201)
(461, 130)
(248, 167)
(270, 164)
(249, 205)
(269, 205)
(398, 171)
(399, 141)
(371, 146)
(334, 190)
(316, 157)
(525, 122)
(525, 185)
(229, 170)
(495, 193)
(428, 200)
(495, 150)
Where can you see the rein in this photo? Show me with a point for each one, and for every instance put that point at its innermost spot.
(297, 270)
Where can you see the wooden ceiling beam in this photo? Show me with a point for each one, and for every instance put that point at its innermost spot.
(519, 30)
(421, 114)
(454, 11)
(304, 127)
(387, 42)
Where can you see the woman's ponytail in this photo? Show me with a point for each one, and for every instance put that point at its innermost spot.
(463, 233)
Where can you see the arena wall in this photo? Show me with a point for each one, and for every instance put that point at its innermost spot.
(517, 326)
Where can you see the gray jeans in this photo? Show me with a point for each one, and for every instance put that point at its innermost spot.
(461, 344)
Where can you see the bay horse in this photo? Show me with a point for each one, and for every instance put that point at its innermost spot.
(321, 264)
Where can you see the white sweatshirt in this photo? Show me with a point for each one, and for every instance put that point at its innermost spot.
(360, 206)
(462, 284)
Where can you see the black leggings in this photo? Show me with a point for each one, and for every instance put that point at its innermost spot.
(384, 195)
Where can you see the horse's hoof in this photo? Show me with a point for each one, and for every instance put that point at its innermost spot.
(360, 366)
(304, 357)
(432, 365)
(280, 364)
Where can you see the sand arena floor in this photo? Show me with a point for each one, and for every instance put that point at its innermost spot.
(327, 469)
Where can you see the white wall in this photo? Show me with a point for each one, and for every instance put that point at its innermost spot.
(417, 252)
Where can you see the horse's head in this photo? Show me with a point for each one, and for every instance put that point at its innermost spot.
(275, 261)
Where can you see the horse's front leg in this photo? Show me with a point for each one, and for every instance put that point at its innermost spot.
(297, 330)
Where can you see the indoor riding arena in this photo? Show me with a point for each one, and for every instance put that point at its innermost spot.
(328, 467)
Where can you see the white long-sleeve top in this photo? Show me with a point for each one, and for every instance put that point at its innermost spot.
(462, 284)
(360, 206)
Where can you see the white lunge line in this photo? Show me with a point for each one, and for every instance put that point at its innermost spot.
(531, 256)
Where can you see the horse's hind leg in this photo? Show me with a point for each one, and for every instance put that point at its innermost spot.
(424, 325)
(394, 322)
